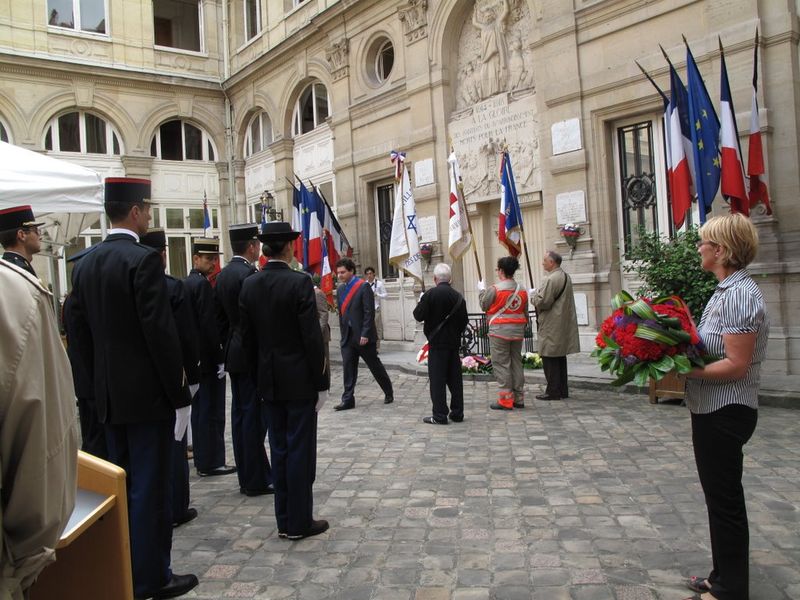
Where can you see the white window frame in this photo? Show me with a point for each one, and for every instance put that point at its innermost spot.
(379, 76)
(247, 36)
(111, 132)
(296, 123)
(205, 141)
(248, 142)
(201, 33)
(76, 11)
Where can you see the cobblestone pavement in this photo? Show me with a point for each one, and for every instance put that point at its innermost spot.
(595, 497)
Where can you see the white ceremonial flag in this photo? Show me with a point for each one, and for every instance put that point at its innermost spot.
(459, 237)
(404, 245)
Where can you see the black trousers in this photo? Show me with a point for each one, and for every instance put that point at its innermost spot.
(180, 479)
(350, 356)
(444, 372)
(293, 444)
(208, 423)
(145, 451)
(249, 433)
(718, 438)
(555, 372)
(93, 433)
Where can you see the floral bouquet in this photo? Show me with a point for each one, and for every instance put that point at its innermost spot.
(647, 338)
(531, 360)
(571, 232)
(475, 363)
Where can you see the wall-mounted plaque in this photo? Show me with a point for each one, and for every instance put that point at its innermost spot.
(423, 172)
(581, 309)
(571, 207)
(428, 231)
(566, 136)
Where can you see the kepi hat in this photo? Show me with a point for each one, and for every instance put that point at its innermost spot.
(205, 246)
(243, 232)
(128, 190)
(277, 231)
(17, 217)
(154, 238)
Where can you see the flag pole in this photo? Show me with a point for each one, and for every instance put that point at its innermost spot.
(519, 218)
(461, 198)
(650, 79)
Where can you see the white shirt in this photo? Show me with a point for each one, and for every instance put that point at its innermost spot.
(379, 291)
(125, 231)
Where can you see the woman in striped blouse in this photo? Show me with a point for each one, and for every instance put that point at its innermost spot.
(723, 398)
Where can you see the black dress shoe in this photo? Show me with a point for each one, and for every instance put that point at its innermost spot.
(519, 405)
(547, 397)
(177, 586)
(223, 470)
(344, 406)
(257, 492)
(498, 406)
(189, 515)
(456, 419)
(432, 421)
(316, 528)
(388, 400)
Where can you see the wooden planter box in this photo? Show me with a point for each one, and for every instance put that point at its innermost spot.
(671, 386)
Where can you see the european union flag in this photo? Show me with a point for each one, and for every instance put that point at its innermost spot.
(704, 128)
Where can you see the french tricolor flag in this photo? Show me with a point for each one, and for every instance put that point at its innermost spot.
(326, 281)
(680, 178)
(755, 155)
(732, 179)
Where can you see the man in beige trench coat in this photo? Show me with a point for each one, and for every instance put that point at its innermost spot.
(557, 324)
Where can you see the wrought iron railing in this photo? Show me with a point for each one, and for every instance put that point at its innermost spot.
(475, 339)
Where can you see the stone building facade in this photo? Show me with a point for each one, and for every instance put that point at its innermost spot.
(232, 99)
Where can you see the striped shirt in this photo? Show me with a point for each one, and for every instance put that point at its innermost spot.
(736, 307)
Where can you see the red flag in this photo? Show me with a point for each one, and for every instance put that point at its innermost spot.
(755, 155)
(732, 178)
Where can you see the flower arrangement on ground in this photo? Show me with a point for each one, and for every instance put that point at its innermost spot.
(646, 338)
(475, 363)
(531, 360)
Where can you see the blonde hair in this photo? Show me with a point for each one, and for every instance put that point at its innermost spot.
(736, 235)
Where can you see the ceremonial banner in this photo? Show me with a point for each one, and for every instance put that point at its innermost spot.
(459, 237)
(404, 244)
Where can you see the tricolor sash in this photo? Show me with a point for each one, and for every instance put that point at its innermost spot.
(356, 286)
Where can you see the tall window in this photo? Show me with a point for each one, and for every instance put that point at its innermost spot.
(3, 133)
(259, 134)
(178, 24)
(81, 15)
(311, 109)
(384, 61)
(385, 199)
(178, 140)
(81, 132)
(252, 18)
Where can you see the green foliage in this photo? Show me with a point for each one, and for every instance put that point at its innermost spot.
(671, 267)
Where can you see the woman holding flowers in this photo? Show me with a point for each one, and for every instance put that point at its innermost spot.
(506, 306)
(723, 398)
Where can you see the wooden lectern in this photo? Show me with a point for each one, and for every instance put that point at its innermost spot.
(93, 557)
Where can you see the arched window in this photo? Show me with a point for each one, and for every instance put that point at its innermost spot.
(259, 134)
(311, 109)
(81, 132)
(179, 140)
(3, 133)
(384, 61)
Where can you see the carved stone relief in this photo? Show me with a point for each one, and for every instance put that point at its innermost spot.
(414, 16)
(337, 56)
(495, 100)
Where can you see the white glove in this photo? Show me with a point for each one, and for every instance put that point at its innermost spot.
(221, 371)
(322, 398)
(531, 293)
(481, 286)
(181, 421)
(193, 387)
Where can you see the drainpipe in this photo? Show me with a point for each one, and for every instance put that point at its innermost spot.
(228, 116)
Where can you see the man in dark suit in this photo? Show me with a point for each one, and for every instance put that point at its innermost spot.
(187, 333)
(208, 408)
(282, 341)
(126, 338)
(358, 336)
(248, 424)
(20, 236)
(445, 315)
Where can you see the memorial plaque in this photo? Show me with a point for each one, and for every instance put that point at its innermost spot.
(571, 207)
(581, 309)
(566, 136)
(423, 172)
(427, 228)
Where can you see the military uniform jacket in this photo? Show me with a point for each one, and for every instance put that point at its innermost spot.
(125, 333)
(433, 307)
(19, 260)
(187, 329)
(201, 297)
(229, 285)
(359, 320)
(84, 386)
(281, 337)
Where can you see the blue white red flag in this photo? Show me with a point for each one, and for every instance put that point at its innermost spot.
(297, 224)
(732, 179)
(206, 215)
(755, 155)
(508, 231)
(679, 139)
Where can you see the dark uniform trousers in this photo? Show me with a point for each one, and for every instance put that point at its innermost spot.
(293, 443)
(249, 431)
(93, 433)
(180, 478)
(444, 371)
(140, 449)
(555, 373)
(718, 438)
(208, 423)
(350, 356)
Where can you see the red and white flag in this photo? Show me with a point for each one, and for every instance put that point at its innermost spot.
(681, 178)
(732, 178)
(459, 238)
(755, 155)
(326, 281)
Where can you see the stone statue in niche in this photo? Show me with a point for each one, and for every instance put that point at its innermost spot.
(517, 73)
(490, 20)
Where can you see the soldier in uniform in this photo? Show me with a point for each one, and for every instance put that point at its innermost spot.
(19, 236)
(125, 336)
(248, 424)
(208, 409)
(184, 320)
(282, 341)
